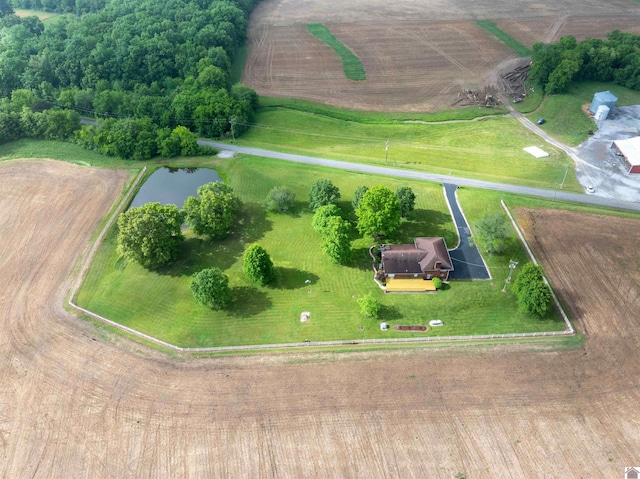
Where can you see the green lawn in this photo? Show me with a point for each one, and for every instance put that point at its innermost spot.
(351, 64)
(491, 149)
(563, 111)
(504, 37)
(161, 304)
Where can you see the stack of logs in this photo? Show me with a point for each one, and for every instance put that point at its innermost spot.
(513, 83)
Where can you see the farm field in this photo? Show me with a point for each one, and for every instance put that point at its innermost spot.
(81, 402)
(163, 306)
(417, 55)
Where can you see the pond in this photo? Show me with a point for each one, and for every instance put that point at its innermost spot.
(173, 185)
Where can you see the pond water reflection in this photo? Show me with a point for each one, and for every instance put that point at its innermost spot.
(173, 185)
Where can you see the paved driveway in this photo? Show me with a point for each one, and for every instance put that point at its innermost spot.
(467, 261)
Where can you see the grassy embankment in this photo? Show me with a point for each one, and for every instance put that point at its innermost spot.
(351, 64)
(164, 307)
(567, 121)
(504, 37)
(490, 149)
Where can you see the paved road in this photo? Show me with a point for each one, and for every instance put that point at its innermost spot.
(467, 261)
(416, 175)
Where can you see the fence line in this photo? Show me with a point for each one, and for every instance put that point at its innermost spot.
(347, 342)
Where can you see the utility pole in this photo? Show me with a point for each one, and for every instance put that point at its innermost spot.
(386, 149)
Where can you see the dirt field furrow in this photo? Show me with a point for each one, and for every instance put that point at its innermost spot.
(417, 55)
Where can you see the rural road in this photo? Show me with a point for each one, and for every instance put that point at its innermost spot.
(417, 175)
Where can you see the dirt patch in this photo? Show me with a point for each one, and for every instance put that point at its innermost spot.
(418, 56)
(78, 402)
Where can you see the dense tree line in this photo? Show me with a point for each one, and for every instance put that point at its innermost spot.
(616, 59)
(163, 63)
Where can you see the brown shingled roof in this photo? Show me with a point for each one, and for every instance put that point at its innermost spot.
(416, 258)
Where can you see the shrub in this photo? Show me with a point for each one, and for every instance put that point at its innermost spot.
(280, 199)
(369, 305)
(437, 282)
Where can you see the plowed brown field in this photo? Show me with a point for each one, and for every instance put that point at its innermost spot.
(417, 55)
(76, 402)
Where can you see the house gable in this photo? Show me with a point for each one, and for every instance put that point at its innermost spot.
(426, 255)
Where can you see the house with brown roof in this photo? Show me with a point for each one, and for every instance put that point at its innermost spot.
(426, 258)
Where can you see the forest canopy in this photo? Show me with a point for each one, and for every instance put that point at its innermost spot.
(616, 59)
(166, 62)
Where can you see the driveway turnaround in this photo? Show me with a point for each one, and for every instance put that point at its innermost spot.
(467, 261)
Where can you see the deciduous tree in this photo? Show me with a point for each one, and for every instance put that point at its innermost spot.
(532, 292)
(322, 193)
(214, 212)
(150, 234)
(322, 216)
(258, 266)
(407, 199)
(491, 233)
(378, 213)
(357, 196)
(369, 305)
(280, 199)
(210, 287)
(336, 240)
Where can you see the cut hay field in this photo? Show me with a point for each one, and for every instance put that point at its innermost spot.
(80, 402)
(417, 55)
(160, 303)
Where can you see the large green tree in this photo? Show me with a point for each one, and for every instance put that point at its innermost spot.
(214, 212)
(322, 216)
(532, 292)
(491, 233)
(357, 196)
(323, 192)
(379, 213)
(407, 199)
(150, 234)
(210, 287)
(337, 241)
(258, 266)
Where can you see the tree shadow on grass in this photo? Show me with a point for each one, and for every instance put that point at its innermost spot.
(200, 252)
(389, 313)
(360, 259)
(426, 223)
(248, 302)
(292, 278)
(252, 223)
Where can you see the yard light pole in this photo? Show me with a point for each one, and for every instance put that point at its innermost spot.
(512, 266)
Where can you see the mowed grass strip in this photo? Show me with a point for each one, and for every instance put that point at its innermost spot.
(504, 37)
(351, 64)
(161, 304)
(491, 149)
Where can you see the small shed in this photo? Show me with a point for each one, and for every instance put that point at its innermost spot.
(629, 149)
(603, 98)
